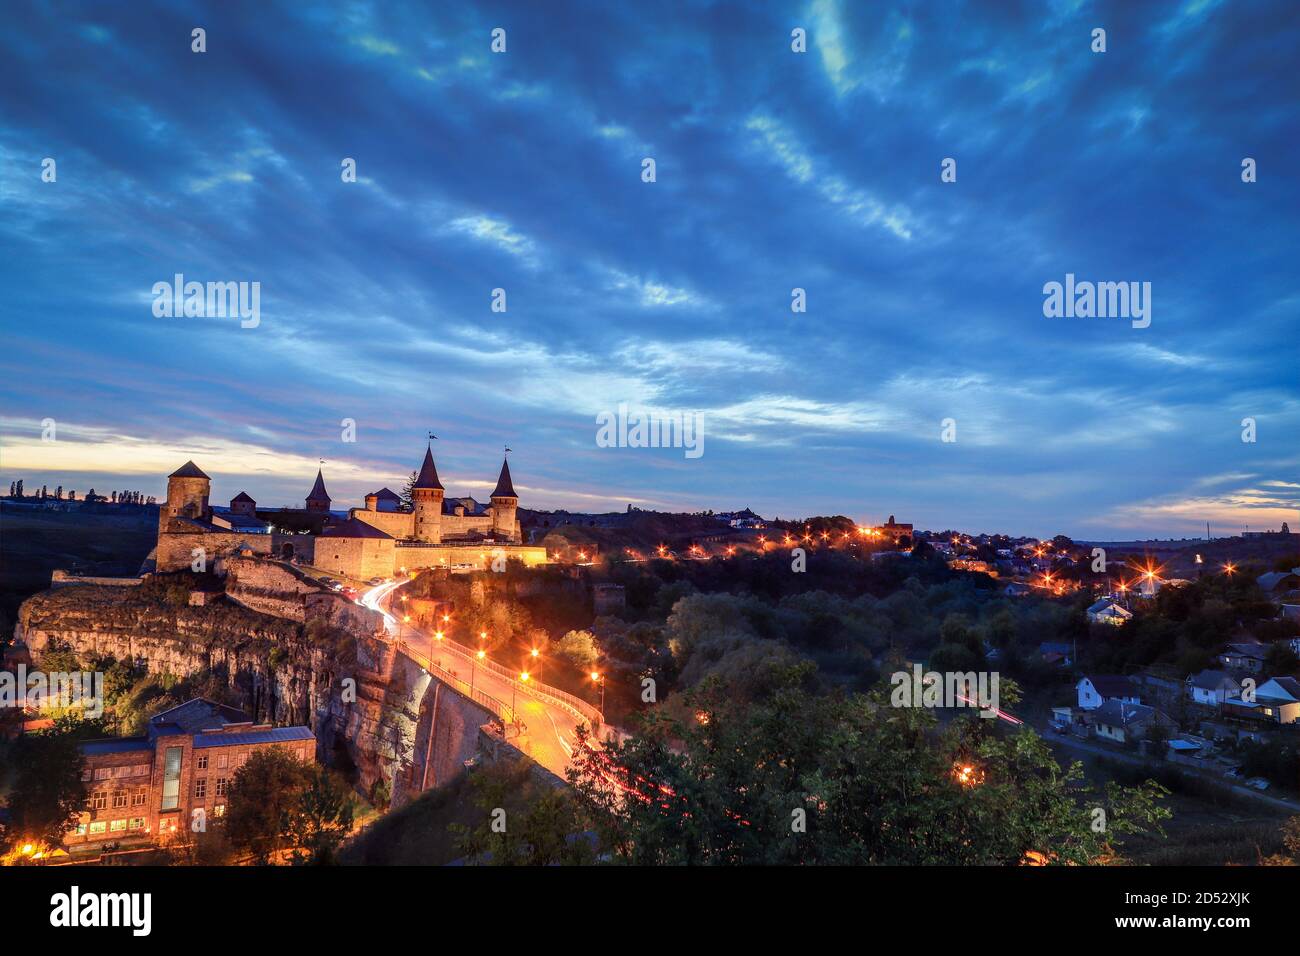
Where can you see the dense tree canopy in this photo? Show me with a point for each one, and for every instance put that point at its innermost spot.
(845, 779)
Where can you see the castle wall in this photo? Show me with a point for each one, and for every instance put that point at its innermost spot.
(450, 556)
(402, 524)
(304, 546)
(362, 558)
(399, 524)
(175, 550)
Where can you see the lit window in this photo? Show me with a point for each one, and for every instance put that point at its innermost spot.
(219, 810)
(98, 827)
(136, 823)
(171, 790)
(117, 825)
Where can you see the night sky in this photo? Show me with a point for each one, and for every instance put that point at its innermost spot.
(775, 170)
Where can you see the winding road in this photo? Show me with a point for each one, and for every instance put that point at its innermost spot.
(546, 718)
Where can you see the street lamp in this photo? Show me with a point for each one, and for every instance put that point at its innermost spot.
(437, 636)
(600, 682)
(474, 669)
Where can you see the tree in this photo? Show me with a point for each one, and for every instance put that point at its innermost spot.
(578, 648)
(832, 779)
(324, 817)
(522, 823)
(264, 802)
(48, 793)
(407, 496)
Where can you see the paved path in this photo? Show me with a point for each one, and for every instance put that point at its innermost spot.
(549, 726)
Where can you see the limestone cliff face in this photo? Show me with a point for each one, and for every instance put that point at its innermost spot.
(342, 684)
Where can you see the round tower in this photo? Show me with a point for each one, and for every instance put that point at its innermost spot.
(426, 495)
(505, 505)
(187, 495)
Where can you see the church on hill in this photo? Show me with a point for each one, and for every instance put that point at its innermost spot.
(382, 539)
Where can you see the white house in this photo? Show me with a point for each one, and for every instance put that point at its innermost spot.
(1095, 691)
(1107, 611)
(1212, 688)
(1279, 699)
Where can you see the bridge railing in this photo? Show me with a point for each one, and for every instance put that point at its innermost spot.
(578, 707)
(461, 686)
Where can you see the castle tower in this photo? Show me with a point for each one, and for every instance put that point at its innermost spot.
(243, 504)
(318, 502)
(427, 494)
(187, 495)
(505, 503)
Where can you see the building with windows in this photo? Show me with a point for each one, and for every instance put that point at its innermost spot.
(144, 788)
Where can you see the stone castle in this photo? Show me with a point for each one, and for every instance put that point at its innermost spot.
(380, 540)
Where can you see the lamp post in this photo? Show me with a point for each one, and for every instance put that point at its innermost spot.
(599, 680)
(437, 636)
(474, 669)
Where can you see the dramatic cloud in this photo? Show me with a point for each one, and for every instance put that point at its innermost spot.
(775, 171)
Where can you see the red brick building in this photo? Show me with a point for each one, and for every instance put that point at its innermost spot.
(142, 788)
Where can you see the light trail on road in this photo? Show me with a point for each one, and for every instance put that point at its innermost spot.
(548, 741)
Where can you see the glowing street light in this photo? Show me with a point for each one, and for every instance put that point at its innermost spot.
(599, 680)
(473, 671)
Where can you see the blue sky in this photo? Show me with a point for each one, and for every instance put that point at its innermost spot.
(775, 170)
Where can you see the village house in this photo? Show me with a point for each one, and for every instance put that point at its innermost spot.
(1247, 657)
(1279, 699)
(1107, 611)
(1124, 723)
(1094, 691)
(1212, 688)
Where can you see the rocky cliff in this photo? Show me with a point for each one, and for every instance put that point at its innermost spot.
(341, 683)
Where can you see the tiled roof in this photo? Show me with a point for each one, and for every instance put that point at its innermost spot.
(385, 494)
(272, 735)
(318, 492)
(1109, 685)
(504, 488)
(353, 528)
(1212, 680)
(1116, 713)
(195, 715)
(188, 470)
(428, 477)
(115, 746)
(243, 496)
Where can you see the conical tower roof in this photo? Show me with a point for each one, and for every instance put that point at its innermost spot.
(188, 470)
(318, 492)
(428, 477)
(504, 488)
